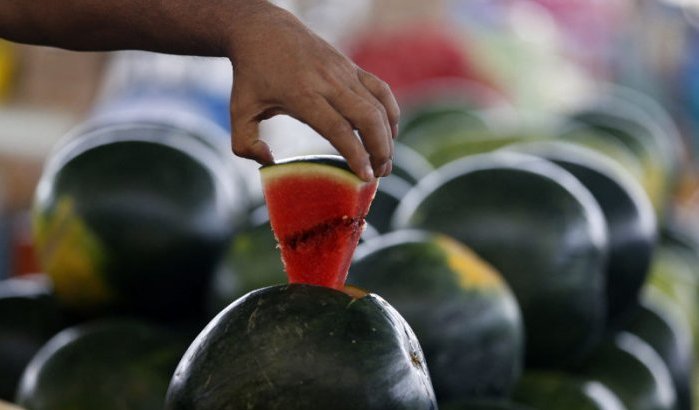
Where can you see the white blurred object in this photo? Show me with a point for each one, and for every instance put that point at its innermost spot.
(523, 47)
(333, 20)
(287, 137)
(31, 132)
(144, 69)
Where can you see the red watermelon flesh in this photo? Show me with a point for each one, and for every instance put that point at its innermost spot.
(316, 208)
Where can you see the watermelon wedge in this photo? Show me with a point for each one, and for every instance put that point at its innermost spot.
(317, 207)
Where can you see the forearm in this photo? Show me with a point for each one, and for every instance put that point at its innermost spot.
(196, 27)
(281, 67)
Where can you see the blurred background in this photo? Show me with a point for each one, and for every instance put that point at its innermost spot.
(620, 77)
(522, 65)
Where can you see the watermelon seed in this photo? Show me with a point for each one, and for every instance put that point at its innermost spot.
(293, 241)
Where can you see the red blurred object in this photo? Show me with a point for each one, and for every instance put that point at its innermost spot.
(411, 55)
(23, 254)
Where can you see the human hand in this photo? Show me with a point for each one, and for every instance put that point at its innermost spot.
(281, 67)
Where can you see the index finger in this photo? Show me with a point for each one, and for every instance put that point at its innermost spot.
(324, 119)
(383, 93)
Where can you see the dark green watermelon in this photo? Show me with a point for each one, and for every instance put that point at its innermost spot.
(661, 324)
(304, 347)
(462, 311)
(390, 192)
(632, 129)
(675, 276)
(558, 391)
(135, 218)
(644, 122)
(445, 133)
(439, 117)
(540, 228)
(29, 316)
(631, 369)
(629, 215)
(675, 273)
(408, 164)
(253, 262)
(483, 405)
(107, 365)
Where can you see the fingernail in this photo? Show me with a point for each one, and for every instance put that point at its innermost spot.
(394, 129)
(368, 173)
(381, 170)
(389, 168)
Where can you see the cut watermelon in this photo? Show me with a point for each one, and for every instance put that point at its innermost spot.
(317, 208)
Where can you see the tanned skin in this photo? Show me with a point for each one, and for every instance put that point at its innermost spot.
(280, 66)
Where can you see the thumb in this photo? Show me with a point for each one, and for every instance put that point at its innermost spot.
(246, 141)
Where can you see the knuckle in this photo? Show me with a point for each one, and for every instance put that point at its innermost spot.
(374, 116)
(241, 150)
(339, 92)
(381, 155)
(339, 128)
(383, 88)
(305, 93)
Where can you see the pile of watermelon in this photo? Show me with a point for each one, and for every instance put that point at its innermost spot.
(546, 269)
(131, 220)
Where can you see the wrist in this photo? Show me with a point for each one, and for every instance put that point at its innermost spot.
(249, 29)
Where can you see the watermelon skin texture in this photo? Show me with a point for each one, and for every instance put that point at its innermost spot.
(134, 219)
(29, 317)
(389, 193)
(658, 322)
(317, 210)
(303, 347)
(630, 368)
(253, 262)
(629, 215)
(483, 405)
(106, 365)
(556, 391)
(463, 312)
(540, 228)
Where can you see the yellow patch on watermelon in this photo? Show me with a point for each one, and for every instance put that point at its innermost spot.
(473, 272)
(9, 406)
(72, 256)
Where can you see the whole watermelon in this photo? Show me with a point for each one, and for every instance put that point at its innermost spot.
(135, 217)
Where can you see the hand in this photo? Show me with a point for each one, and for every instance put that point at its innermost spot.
(281, 67)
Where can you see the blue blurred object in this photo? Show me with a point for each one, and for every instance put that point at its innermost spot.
(144, 86)
(150, 103)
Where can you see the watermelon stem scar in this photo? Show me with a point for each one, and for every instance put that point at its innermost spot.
(317, 208)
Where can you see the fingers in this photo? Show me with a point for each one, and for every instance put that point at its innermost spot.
(370, 120)
(324, 119)
(245, 136)
(382, 92)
